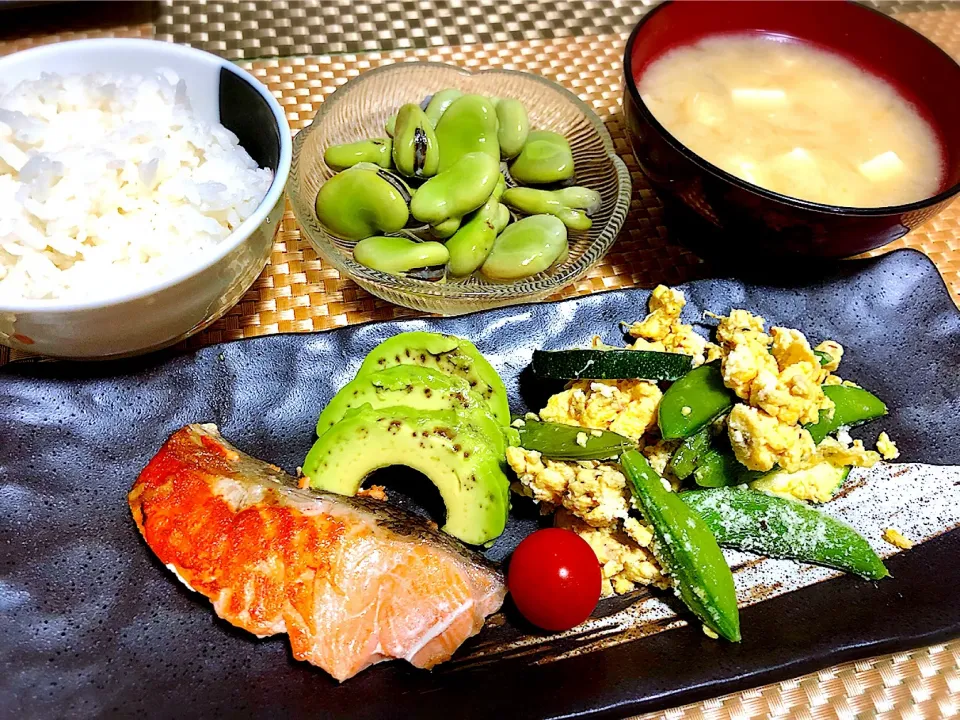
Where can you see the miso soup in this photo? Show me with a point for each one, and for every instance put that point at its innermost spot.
(795, 119)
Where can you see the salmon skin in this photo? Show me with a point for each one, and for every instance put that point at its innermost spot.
(353, 581)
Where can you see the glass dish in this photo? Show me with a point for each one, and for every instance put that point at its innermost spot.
(359, 110)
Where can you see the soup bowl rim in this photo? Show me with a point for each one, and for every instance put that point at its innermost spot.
(795, 202)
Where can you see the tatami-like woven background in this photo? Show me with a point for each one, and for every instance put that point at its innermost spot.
(578, 43)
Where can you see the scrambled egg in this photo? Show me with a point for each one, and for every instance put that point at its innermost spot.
(662, 330)
(888, 448)
(761, 441)
(623, 551)
(628, 407)
(896, 538)
(778, 379)
(596, 492)
(594, 502)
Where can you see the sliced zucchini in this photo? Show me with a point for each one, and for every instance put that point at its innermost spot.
(852, 406)
(610, 364)
(816, 484)
(694, 401)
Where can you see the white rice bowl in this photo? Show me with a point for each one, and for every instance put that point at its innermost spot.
(108, 182)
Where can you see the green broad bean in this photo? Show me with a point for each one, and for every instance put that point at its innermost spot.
(502, 219)
(545, 158)
(439, 103)
(526, 247)
(471, 244)
(570, 207)
(468, 126)
(360, 202)
(397, 255)
(461, 188)
(446, 228)
(513, 126)
(374, 150)
(390, 126)
(415, 149)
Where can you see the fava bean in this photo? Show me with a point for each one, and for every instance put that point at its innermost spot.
(415, 149)
(446, 228)
(460, 189)
(471, 244)
(526, 247)
(390, 126)
(362, 201)
(469, 125)
(398, 254)
(513, 126)
(545, 158)
(503, 217)
(374, 150)
(439, 103)
(568, 204)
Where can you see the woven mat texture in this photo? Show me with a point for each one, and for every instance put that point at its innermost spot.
(577, 43)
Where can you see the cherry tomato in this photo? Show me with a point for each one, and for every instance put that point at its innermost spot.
(554, 579)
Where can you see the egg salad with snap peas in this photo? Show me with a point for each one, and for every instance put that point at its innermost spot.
(660, 453)
(430, 199)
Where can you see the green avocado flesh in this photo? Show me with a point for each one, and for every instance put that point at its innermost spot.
(414, 388)
(444, 445)
(448, 354)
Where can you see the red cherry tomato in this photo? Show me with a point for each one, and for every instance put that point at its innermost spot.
(554, 579)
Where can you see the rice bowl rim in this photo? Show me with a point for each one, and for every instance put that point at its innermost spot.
(212, 256)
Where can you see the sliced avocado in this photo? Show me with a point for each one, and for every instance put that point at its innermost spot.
(450, 355)
(416, 388)
(816, 484)
(444, 446)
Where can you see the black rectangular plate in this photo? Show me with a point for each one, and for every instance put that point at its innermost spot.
(91, 624)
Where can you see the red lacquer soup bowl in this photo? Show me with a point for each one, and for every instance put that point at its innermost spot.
(768, 222)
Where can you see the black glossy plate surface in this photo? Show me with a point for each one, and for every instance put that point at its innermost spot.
(91, 624)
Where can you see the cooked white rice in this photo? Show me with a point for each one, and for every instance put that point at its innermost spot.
(108, 182)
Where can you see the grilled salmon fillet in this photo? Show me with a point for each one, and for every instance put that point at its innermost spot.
(352, 581)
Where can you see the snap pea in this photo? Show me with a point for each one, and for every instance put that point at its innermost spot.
(362, 201)
(718, 467)
(461, 188)
(852, 406)
(513, 127)
(694, 400)
(415, 148)
(684, 459)
(568, 204)
(468, 126)
(446, 228)
(374, 150)
(526, 247)
(396, 255)
(756, 522)
(545, 158)
(439, 103)
(471, 244)
(570, 442)
(686, 548)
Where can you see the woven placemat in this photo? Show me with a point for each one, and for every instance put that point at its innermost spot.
(281, 28)
(297, 293)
